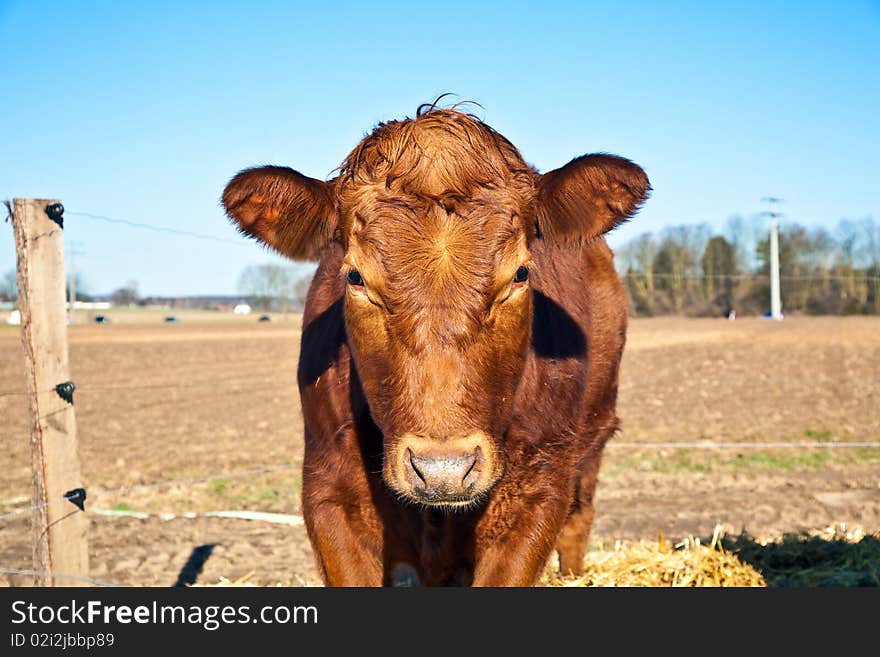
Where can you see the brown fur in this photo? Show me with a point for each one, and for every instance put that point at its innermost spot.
(440, 349)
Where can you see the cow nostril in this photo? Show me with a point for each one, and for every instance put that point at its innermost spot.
(409, 460)
(473, 471)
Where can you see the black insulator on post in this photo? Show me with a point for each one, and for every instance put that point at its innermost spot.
(56, 213)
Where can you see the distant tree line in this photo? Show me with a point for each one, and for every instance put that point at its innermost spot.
(264, 287)
(691, 270)
(9, 287)
(127, 295)
(275, 287)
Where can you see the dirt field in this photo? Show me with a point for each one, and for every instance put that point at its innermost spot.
(160, 402)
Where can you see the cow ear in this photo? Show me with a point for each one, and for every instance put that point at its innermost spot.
(290, 212)
(589, 196)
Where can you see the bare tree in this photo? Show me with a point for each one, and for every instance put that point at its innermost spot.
(677, 259)
(637, 259)
(719, 267)
(301, 290)
(267, 287)
(82, 288)
(871, 245)
(127, 295)
(9, 286)
(737, 233)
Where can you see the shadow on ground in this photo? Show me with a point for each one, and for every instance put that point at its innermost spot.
(194, 565)
(810, 561)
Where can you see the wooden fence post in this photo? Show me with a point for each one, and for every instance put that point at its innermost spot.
(59, 527)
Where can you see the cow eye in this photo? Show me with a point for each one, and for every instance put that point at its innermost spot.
(355, 278)
(522, 275)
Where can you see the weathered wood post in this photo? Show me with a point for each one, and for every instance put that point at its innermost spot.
(59, 527)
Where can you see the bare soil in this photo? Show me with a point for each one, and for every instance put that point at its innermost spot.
(158, 402)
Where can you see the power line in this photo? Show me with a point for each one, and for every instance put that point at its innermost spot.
(157, 229)
(73, 249)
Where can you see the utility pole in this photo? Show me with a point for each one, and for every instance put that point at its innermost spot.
(71, 285)
(60, 545)
(775, 291)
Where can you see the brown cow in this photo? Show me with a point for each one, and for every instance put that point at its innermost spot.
(460, 350)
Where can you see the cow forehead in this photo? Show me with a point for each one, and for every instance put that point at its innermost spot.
(436, 266)
(438, 240)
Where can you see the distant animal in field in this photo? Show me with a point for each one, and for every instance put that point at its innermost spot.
(460, 349)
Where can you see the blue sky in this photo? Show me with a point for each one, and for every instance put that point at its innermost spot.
(143, 111)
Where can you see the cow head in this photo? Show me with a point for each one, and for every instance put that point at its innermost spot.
(436, 216)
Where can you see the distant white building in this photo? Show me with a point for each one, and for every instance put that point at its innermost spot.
(242, 309)
(90, 305)
(14, 318)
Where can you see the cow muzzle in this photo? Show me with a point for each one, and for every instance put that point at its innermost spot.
(442, 472)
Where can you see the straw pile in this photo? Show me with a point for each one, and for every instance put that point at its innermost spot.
(660, 563)
(831, 557)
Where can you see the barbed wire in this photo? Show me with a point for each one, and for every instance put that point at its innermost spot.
(815, 278)
(266, 469)
(231, 386)
(746, 444)
(49, 575)
(201, 385)
(158, 229)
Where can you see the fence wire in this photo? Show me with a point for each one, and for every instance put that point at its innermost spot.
(158, 229)
(155, 485)
(818, 278)
(42, 574)
(745, 445)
